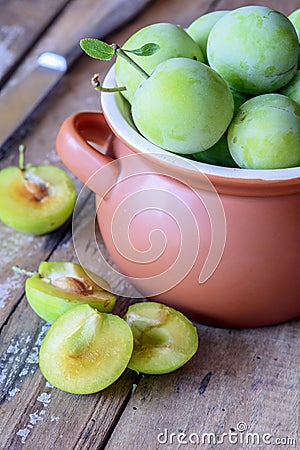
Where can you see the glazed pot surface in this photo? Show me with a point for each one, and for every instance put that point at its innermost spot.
(220, 244)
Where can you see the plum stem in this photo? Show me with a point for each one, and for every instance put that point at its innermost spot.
(18, 269)
(100, 50)
(123, 54)
(22, 157)
(118, 51)
(97, 85)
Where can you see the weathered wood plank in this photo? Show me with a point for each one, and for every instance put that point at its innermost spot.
(77, 20)
(20, 27)
(284, 7)
(249, 376)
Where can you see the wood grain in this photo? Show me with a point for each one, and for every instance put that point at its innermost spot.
(236, 376)
(21, 25)
(284, 7)
(248, 375)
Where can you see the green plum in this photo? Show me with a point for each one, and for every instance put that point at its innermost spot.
(200, 28)
(59, 286)
(173, 41)
(183, 107)
(292, 89)
(239, 98)
(265, 133)
(254, 48)
(295, 19)
(218, 154)
(35, 199)
(85, 351)
(164, 339)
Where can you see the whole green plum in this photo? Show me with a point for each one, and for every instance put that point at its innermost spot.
(295, 19)
(292, 89)
(254, 48)
(173, 41)
(239, 98)
(265, 133)
(218, 154)
(200, 28)
(183, 107)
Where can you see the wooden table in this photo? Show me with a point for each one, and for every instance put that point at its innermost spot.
(239, 378)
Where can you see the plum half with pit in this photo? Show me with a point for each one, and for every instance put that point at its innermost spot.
(85, 351)
(35, 199)
(59, 286)
(164, 339)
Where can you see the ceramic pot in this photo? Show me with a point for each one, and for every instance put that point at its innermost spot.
(220, 244)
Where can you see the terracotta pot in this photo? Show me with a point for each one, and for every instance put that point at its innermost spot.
(220, 244)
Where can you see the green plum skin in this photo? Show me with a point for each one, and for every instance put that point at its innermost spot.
(294, 17)
(85, 351)
(200, 28)
(184, 106)
(254, 48)
(265, 133)
(173, 41)
(50, 301)
(238, 98)
(217, 155)
(20, 211)
(164, 339)
(292, 89)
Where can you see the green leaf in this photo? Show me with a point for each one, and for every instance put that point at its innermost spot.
(97, 49)
(146, 50)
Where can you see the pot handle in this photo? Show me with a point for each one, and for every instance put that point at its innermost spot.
(74, 149)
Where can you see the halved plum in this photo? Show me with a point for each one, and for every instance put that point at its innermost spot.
(59, 286)
(85, 351)
(164, 339)
(35, 199)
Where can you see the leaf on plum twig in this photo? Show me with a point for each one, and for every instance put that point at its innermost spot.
(97, 49)
(146, 50)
